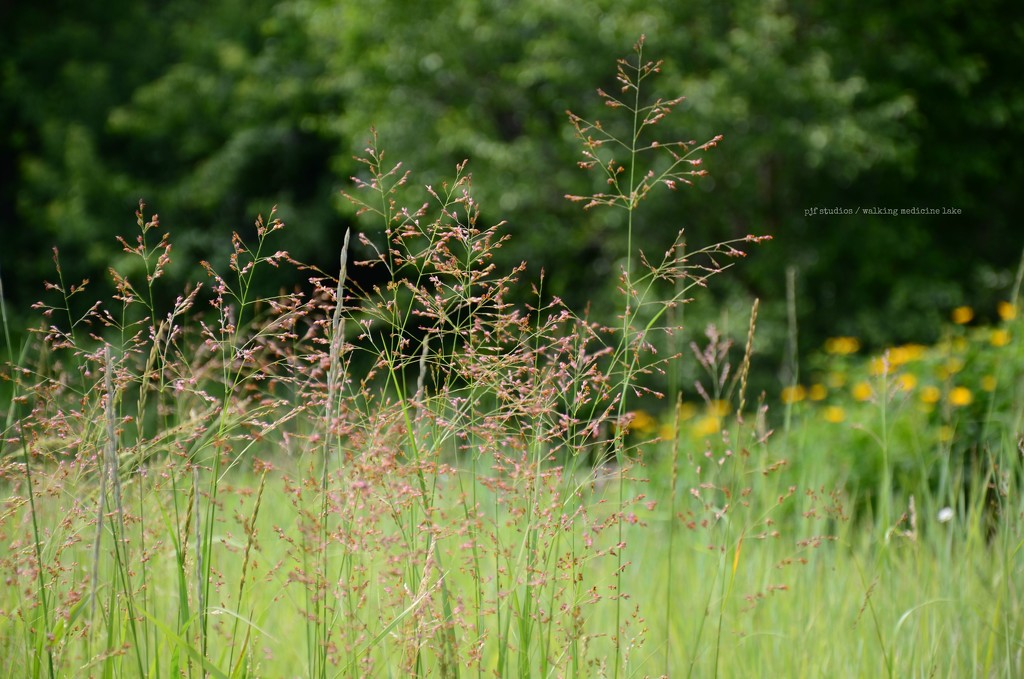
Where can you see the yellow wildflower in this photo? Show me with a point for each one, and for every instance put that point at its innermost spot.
(842, 345)
(707, 425)
(960, 396)
(862, 391)
(962, 315)
(999, 337)
(834, 414)
(1006, 311)
(794, 394)
(906, 382)
(930, 394)
(905, 354)
(642, 423)
(818, 392)
(988, 383)
(719, 408)
(836, 380)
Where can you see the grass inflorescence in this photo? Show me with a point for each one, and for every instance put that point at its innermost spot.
(403, 470)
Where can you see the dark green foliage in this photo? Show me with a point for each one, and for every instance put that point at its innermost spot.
(214, 112)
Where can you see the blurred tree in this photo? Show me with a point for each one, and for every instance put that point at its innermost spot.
(954, 62)
(201, 109)
(62, 66)
(213, 112)
(490, 82)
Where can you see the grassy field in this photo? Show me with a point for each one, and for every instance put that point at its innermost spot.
(527, 596)
(424, 478)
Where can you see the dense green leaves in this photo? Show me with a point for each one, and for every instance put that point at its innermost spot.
(213, 113)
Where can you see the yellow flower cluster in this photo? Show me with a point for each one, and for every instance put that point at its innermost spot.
(999, 337)
(960, 396)
(962, 315)
(707, 425)
(957, 397)
(944, 378)
(906, 382)
(642, 423)
(834, 414)
(794, 394)
(798, 392)
(905, 354)
(895, 357)
(862, 391)
(842, 346)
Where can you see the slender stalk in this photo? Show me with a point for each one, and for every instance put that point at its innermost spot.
(332, 445)
(792, 344)
(246, 556)
(628, 337)
(670, 571)
(199, 570)
(30, 487)
(121, 556)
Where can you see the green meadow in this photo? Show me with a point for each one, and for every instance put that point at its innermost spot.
(440, 469)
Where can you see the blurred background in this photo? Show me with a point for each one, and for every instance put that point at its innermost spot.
(213, 112)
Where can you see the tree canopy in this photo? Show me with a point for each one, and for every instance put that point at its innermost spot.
(214, 112)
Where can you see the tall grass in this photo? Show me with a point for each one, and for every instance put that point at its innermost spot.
(420, 477)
